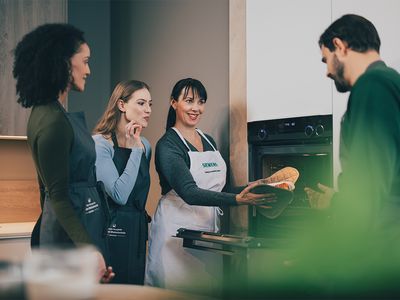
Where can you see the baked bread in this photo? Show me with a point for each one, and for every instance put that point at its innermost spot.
(285, 174)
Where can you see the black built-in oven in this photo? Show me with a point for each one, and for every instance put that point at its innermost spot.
(304, 143)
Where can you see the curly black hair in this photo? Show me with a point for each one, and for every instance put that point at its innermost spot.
(42, 62)
(359, 34)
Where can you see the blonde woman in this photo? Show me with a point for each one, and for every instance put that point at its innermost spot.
(122, 164)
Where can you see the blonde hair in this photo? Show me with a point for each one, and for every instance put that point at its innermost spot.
(111, 116)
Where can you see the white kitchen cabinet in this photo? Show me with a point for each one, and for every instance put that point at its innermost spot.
(384, 14)
(285, 76)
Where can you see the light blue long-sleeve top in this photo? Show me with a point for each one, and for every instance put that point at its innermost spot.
(118, 187)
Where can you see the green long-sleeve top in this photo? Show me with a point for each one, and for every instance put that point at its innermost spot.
(369, 187)
(50, 138)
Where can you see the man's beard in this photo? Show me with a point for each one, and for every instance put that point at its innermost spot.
(341, 84)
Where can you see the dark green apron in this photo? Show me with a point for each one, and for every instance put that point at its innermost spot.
(128, 232)
(85, 193)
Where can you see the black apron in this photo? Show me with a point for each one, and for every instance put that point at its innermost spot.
(128, 232)
(86, 194)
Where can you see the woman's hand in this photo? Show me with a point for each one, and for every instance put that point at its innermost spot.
(104, 274)
(132, 135)
(247, 198)
(107, 276)
(322, 199)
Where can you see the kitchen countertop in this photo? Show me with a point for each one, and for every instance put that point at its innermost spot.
(133, 292)
(16, 230)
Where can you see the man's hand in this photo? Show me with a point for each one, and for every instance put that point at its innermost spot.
(320, 199)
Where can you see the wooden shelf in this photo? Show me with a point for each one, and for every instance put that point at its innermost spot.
(13, 137)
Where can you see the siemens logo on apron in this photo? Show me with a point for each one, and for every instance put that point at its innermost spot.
(91, 206)
(114, 231)
(208, 165)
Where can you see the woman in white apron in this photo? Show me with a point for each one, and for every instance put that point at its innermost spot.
(192, 175)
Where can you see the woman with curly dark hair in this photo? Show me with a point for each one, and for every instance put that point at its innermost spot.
(49, 62)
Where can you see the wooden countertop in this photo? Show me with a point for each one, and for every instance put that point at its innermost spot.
(133, 292)
(16, 230)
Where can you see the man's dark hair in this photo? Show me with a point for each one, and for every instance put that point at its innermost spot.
(359, 34)
(42, 62)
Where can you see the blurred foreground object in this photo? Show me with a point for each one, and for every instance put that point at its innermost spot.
(10, 280)
(60, 274)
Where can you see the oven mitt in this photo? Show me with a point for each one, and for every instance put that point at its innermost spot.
(284, 174)
(273, 210)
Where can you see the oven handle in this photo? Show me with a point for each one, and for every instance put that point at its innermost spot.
(190, 243)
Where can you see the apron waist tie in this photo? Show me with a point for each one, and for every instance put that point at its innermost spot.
(218, 212)
(144, 220)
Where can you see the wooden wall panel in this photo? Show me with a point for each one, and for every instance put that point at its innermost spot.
(16, 161)
(19, 193)
(19, 201)
(17, 17)
(238, 109)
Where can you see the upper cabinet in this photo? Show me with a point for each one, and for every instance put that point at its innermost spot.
(285, 76)
(16, 19)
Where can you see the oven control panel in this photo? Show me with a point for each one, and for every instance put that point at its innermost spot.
(299, 128)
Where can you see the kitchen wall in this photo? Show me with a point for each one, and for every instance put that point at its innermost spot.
(93, 17)
(158, 42)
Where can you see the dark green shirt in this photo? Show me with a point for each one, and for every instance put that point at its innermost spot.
(173, 167)
(50, 138)
(370, 150)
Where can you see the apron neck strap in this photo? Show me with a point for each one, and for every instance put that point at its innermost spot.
(181, 137)
(204, 136)
(201, 134)
(114, 139)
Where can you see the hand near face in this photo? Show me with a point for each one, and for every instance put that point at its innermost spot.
(320, 199)
(246, 197)
(132, 134)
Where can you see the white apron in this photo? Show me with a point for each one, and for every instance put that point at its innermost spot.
(169, 264)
